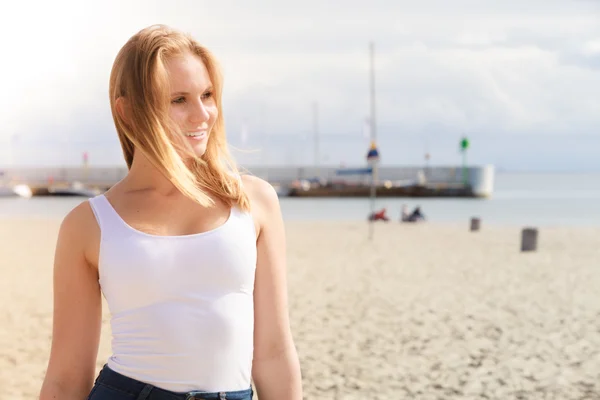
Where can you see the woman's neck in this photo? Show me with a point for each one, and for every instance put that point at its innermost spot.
(143, 175)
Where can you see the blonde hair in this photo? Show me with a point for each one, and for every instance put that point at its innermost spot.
(140, 78)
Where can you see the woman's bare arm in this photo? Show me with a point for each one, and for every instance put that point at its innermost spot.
(276, 369)
(77, 309)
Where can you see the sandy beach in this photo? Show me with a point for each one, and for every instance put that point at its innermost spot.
(422, 312)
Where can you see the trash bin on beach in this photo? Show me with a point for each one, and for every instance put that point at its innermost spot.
(529, 240)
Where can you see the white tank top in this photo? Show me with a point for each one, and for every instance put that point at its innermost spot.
(182, 315)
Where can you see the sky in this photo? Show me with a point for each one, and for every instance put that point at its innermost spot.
(520, 79)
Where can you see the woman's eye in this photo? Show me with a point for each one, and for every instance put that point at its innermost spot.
(178, 100)
(207, 95)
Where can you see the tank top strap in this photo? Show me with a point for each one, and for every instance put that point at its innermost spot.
(104, 212)
(243, 219)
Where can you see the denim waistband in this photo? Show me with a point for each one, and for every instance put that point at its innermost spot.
(146, 391)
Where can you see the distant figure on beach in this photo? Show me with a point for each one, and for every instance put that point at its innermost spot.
(415, 216)
(188, 253)
(404, 213)
(380, 215)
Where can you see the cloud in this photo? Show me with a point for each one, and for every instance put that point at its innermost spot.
(586, 55)
(491, 69)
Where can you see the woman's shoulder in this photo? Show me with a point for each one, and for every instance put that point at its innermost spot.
(261, 192)
(264, 201)
(81, 217)
(80, 229)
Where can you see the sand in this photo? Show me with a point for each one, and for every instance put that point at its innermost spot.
(422, 312)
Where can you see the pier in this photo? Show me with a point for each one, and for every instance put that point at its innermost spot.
(299, 181)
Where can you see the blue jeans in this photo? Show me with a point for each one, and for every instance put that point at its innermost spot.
(114, 386)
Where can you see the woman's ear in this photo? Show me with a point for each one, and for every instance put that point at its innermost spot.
(122, 109)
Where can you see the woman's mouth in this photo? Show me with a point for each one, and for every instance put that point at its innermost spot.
(198, 135)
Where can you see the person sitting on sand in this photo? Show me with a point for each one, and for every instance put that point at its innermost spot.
(379, 215)
(415, 216)
(404, 213)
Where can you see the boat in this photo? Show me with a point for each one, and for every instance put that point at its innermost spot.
(76, 189)
(7, 192)
(20, 190)
(281, 189)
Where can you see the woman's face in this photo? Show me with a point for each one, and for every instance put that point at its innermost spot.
(193, 106)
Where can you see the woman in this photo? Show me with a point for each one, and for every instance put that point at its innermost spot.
(189, 255)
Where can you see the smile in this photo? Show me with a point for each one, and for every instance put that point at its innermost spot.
(196, 135)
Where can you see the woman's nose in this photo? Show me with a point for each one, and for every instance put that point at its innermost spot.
(199, 113)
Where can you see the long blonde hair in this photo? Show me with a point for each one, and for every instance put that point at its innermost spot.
(140, 78)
